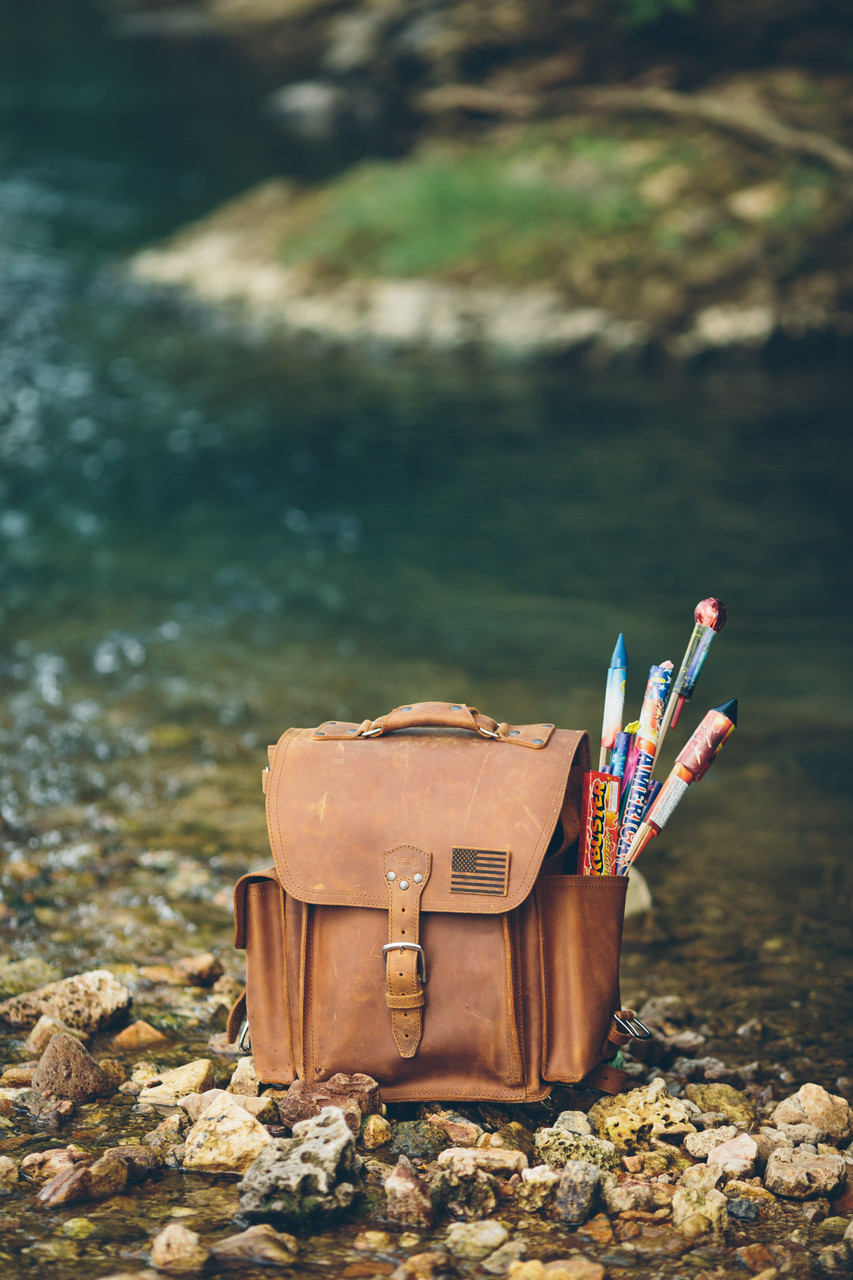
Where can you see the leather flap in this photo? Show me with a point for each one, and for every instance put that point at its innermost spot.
(485, 811)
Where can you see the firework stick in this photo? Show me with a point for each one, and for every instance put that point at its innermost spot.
(691, 765)
(614, 699)
(651, 715)
(599, 824)
(709, 618)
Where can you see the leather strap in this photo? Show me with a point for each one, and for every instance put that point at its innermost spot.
(406, 872)
(606, 1078)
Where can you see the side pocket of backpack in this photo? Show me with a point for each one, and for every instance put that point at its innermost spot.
(260, 928)
(580, 938)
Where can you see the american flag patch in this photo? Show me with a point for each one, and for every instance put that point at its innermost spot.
(479, 871)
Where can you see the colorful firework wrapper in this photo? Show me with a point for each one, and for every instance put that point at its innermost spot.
(636, 803)
(599, 824)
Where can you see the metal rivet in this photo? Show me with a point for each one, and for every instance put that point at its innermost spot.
(456, 706)
(392, 875)
(404, 884)
(319, 734)
(513, 733)
(547, 726)
(350, 730)
(405, 708)
(537, 742)
(331, 722)
(417, 877)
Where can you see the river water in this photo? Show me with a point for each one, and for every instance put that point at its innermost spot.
(206, 538)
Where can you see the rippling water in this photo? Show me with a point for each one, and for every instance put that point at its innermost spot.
(205, 539)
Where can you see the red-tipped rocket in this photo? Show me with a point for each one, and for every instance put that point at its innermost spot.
(691, 764)
(710, 618)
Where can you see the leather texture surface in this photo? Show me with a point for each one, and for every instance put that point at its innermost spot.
(361, 958)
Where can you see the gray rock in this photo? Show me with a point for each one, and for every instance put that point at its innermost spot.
(86, 1002)
(799, 1134)
(67, 1070)
(407, 1197)
(799, 1174)
(313, 1175)
(578, 1191)
(573, 1122)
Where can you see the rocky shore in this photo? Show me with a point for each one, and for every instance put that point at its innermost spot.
(550, 181)
(137, 1159)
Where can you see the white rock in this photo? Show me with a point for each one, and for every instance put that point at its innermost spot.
(263, 1109)
(701, 1144)
(737, 1158)
(168, 1087)
(245, 1080)
(475, 1239)
(224, 1139)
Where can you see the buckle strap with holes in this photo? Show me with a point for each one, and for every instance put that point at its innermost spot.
(406, 871)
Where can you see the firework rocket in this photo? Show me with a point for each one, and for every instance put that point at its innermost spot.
(692, 763)
(710, 618)
(651, 716)
(614, 700)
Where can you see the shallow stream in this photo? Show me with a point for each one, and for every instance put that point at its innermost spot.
(205, 538)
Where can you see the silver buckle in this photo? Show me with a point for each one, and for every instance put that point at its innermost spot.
(244, 1040)
(409, 946)
(632, 1027)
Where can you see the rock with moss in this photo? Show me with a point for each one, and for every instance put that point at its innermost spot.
(312, 1177)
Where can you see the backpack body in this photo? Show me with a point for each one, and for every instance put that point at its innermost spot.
(422, 922)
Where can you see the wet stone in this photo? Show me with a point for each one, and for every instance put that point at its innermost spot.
(302, 1101)
(470, 1194)
(424, 1266)
(498, 1263)
(41, 1166)
(312, 1176)
(460, 1131)
(743, 1210)
(407, 1197)
(829, 1113)
(98, 1180)
(511, 1137)
(86, 1002)
(178, 1251)
(168, 1087)
(67, 1070)
(738, 1157)
(200, 971)
(799, 1174)
(697, 1213)
(46, 1027)
(138, 1036)
(418, 1140)
(475, 1240)
(702, 1144)
(554, 1146)
(244, 1079)
(632, 1120)
(724, 1098)
(538, 1188)
(376, 1132)
(8, 1171)
(578, 1191)
(260, 1245)
(224, 1139)
(263, 1109)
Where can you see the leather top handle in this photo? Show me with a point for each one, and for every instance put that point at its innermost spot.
(436, 715)
(433, 715)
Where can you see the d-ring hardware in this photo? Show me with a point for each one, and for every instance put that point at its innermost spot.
(632, 1027)
(244, 1040)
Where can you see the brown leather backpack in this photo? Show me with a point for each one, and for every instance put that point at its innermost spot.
(419, 924)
